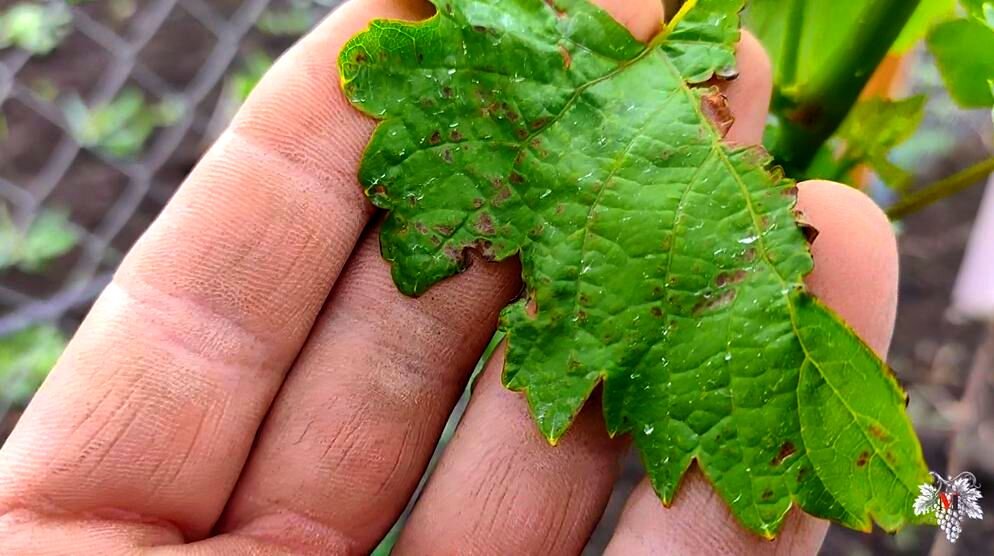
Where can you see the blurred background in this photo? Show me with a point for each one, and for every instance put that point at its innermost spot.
(106, 105)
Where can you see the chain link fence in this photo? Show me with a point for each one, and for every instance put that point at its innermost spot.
(104, 108)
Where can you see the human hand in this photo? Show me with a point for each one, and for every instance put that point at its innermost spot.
(252, 381)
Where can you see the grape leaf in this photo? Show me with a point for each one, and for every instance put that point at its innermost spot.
(874, 127)
(658, 260)
(962, 48)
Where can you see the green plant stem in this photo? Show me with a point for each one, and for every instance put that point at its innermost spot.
(811, 112)
(941, 189)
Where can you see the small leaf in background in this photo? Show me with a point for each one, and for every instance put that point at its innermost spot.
(982, 10)
(659, 262)
(47, 238)
(120, 127)
(37, 28)
(964, 52)
(241, 83)
(26, 357)
(873, 128)
(928, 13)
(293, 21)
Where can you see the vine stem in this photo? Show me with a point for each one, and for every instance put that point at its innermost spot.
(941, 189)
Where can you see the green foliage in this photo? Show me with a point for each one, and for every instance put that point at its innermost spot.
(120, 127)
(241, 83)
(657, 260)
(823, 53)
(26, 357)
(929, 13)
(963, 52)
(292, 21)
(47, 238)
(37, 28)
(872, 129)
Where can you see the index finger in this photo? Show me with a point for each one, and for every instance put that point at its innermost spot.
(153, 407)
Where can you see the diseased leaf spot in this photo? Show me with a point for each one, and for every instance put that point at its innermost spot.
(455, 136)
(447, 155)
(436, 138)
(727, 278)
(863, 458)
(656, 312)
(567, 58)
(787, 449)
(715, 108)
(715, 302)
(485, 224)
(767, 494)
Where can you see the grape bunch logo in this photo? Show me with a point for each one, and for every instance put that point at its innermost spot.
(952, 500)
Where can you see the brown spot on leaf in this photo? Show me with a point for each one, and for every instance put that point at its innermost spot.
(801, 473)
(714, 303)
(513, 116)
(446, 92)
(361, 57)
(715, 107)
(749, 255)
(560, 208)
(478, 202)
(767, 494)
(581, 316)
(435, 138)
(485, 224)
(560, 13)
(453, 253)
(787, 449)
(808, 229)
(567, 58)
(656, 312)
(517, 178)
(726, 278)
(877, 432)
(455, 136)
(447, 155)
(378, 190)
(538, 123)
(521, 132)
(863, 458)
(583, 299)
(421, 228)
(502, 195)
(444, 230)
(480, 29)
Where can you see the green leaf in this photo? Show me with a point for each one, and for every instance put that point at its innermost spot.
(26, 357)
(121, 127)
(657, 260)
(36, 28)
(873, 128)
(928, 13)
(962, 49)
(47, 238)
(982, 10)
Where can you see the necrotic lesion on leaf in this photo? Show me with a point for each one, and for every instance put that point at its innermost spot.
(659, 261)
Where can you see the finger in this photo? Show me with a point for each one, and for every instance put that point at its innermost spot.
(499, 487)
(153, 407)
(353, 428)
(856, 268)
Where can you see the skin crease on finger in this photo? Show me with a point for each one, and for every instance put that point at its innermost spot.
(565, 487)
